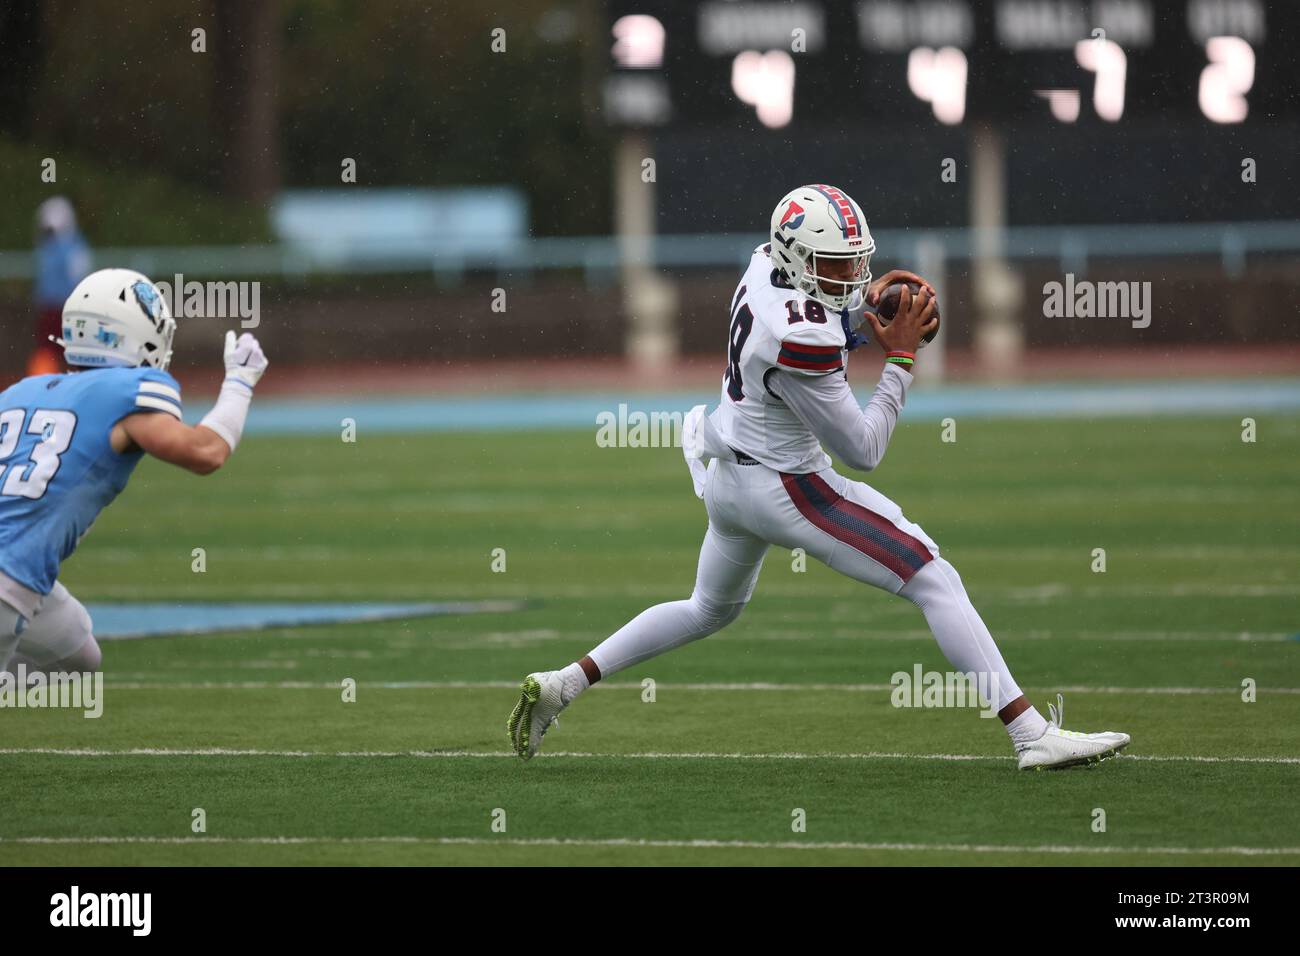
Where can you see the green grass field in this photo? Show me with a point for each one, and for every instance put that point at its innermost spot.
(782, 711)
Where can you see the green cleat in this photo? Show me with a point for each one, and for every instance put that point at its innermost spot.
(539, 705)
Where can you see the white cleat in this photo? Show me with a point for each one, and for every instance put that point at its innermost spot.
(1059, 748)
(539, 705)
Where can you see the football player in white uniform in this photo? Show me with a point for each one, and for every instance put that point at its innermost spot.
(794, 318)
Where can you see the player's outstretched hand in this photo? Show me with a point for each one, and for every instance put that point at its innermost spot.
(244, 359)
(914, 320)
(889, 278)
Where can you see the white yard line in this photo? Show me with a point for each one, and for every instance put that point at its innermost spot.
(660, 686)
(635, 843)
(579, 755)
(819, 629)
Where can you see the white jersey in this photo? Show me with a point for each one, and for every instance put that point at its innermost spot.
(775, 326)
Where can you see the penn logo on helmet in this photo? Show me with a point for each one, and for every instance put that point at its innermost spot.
(793, 217)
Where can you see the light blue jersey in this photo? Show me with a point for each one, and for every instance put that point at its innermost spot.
(57, 468)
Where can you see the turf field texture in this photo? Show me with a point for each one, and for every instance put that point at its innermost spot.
(787, 710)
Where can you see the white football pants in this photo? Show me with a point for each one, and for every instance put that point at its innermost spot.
(847, 525)
(58, 638)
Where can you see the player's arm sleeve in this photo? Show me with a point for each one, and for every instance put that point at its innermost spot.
(156, 391)
(857, 436)
(811, 351)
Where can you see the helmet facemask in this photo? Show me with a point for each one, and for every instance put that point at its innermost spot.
(821, 245)
(835, 287)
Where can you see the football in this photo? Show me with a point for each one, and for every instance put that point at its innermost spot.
(887, 308)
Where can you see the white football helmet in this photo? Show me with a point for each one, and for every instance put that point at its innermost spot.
(814, 224)
(117, 317)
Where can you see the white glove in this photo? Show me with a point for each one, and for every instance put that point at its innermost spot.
(244, 359)
(245, 364)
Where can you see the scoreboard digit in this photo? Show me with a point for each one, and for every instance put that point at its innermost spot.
(948, 62)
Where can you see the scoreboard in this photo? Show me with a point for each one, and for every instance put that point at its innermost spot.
(951, 62)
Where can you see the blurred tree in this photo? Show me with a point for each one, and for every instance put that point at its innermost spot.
(245, 48)
(21, 52)
(286, 89)
(414, 92)
(121, 83)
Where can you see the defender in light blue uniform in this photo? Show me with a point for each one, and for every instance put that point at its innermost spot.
(59, 470)
(69, 443)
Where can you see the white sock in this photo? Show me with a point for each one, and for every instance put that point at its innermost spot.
(1027, 728)
(575, 682)
(662, 628)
